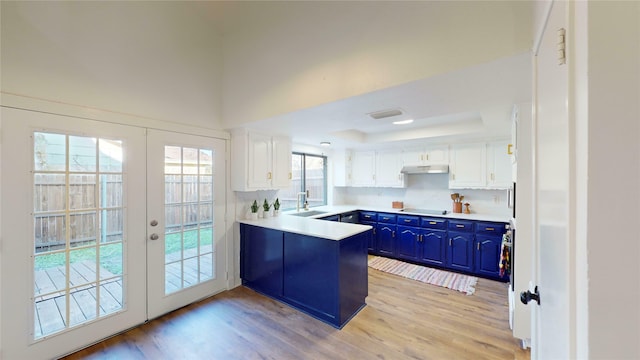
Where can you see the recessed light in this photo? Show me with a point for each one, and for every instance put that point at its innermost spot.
(325, 143)
(403, 122)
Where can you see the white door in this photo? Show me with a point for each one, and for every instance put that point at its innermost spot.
(73, 233)
(185, 219)
(551, 320)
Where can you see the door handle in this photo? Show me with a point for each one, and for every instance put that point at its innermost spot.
(154, 236)
(527, 296)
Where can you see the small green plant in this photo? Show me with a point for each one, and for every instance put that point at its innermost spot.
(265, 205)
(276, 205)
(254, 207)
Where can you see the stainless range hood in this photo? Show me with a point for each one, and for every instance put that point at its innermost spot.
(425, 169)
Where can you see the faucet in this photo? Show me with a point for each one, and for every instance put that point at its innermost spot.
(306, 195)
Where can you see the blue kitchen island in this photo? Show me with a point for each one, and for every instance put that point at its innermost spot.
(318, 267)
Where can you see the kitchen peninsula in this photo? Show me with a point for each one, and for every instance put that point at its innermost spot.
(318, 267)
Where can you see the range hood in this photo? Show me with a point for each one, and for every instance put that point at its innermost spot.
(425, 169)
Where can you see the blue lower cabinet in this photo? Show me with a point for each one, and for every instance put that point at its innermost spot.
(460, 251)
(371, 243)
(326, 279)
(408, 242)
(487, 256)
(261, 259)
(386, 239)
(433, 247)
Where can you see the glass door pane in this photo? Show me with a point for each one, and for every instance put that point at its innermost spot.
(78, 230)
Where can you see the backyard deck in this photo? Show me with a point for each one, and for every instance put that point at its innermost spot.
(50, 310)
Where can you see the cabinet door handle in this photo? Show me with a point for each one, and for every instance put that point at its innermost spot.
(432, 222)
(453, 176)
(459, 226)
(489, 229)
(509, 151)
(374, 231)
(269, 175)
(478, 246)
(290, 176)
(393, 234)
(421, 238)
(450, 241)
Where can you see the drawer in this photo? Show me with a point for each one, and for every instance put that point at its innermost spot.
(368, 216)
(407, 220)
(433, 223)
(460, 225)
(490, 228)
(387, 218)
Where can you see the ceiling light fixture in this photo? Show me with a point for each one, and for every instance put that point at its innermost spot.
(403, 122)
(325, 143)
(386, 113)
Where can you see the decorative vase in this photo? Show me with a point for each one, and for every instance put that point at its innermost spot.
(266, 214)
(254, 216)
(276, 212)
(457, 207)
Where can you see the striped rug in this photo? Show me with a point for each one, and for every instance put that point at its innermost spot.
(454, 281)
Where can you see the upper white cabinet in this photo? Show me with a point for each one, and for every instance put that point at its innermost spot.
(363, 168)
(467, 167)
(388, 166)
(342, 167)
(426, 156)
(259, 161)
(498, 165)
(377, 169)
(480, 166)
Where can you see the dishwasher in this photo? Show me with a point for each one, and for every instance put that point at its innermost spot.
(350, 217)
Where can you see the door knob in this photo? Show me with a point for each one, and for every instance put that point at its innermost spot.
(154, 223)
(527, 296)
(154, 236)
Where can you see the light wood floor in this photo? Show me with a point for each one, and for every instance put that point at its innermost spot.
(403, 319)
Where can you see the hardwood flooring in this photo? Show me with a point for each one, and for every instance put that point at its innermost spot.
(403, 319)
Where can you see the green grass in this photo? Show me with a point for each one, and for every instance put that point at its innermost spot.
(111, 254)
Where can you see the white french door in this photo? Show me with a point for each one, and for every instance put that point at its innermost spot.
(185, 219)
(73, 233)
(82, 257)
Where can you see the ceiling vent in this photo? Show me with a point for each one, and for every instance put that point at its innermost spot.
(386, 113)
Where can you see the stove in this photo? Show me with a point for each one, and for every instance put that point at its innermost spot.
(425, 211)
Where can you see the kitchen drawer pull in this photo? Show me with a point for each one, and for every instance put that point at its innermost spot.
(489, 229)
(432, 222)
(367, 216)
(459, 226)
(407, 220)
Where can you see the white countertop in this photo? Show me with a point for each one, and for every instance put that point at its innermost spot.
(338, 209)
(309, 226)
(332, 230)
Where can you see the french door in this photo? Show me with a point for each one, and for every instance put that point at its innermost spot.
(82, 258)
(185, 219)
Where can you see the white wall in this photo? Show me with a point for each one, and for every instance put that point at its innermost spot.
(295, 55)
(159, 60)
(425, 191)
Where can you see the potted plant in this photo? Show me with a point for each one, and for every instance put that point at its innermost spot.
(254, 210)
(266, 207)
(276, 207)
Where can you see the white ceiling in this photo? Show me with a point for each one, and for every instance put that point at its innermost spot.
(471, 103)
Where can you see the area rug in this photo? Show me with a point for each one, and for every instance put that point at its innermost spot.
(454, 281)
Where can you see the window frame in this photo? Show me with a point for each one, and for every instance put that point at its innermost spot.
(303, 177)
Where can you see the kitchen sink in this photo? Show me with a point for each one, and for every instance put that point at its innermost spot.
(308, 213)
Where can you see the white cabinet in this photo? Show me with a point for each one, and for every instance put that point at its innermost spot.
(363, 168)
(342, 167)
(467, 168)
(480, 166)
(388, 166)
(498, 165)
(377, 169)
(259, 161)
(426, 156)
